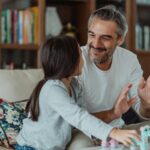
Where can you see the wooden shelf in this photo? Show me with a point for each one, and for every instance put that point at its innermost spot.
(22, 4)
(65, 1)
(142, 52)
(30, 47)
(73, 11)
(143, 5)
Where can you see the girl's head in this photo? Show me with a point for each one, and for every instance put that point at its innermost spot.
(61, 58)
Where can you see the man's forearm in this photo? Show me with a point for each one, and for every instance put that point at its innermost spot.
(106, 116)
(145, 110)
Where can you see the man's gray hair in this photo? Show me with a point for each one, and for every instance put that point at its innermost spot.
(110, 13)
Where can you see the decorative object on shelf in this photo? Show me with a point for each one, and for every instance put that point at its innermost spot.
(8, 66)
(24, 65)
(70, 30)
(53, 25)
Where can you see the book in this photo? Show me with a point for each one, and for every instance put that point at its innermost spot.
(3, 27)
(8, 25)
(20, 27)
(35, 12)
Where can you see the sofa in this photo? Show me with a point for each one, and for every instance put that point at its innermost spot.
(17, 85)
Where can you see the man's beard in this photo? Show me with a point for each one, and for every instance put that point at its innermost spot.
(102, 60)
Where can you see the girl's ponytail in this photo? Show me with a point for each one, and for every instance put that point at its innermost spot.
(32, 106)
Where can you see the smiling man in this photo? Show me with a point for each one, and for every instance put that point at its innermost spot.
(102, 40)
(112, 76)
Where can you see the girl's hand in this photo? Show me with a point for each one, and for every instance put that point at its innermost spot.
(124, 136)
(144, 91)
(123, 104)
(144, 94)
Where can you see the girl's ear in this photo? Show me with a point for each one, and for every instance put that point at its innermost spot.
(120, 40)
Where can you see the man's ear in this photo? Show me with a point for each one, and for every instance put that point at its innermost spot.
(120, 40)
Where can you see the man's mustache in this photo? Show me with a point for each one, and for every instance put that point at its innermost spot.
(100, 49)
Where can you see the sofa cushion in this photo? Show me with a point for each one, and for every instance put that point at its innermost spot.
(11, 120)
(18, 84)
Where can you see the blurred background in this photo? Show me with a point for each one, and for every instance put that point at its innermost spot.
(25, 24)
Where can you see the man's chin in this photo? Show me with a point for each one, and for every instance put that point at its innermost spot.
(101, 62)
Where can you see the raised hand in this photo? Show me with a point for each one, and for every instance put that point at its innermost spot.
(123, 103)
(144, 91)
(124, 136)
(144, 94)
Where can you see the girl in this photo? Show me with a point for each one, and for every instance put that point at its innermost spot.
(55, 104)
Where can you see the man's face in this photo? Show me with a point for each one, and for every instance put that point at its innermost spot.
(102, 41)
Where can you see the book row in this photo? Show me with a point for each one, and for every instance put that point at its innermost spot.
(143, 37)
(20, 26)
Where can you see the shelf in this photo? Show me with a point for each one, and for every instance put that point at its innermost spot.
(74, 11)
(16, 4)
(117, 3)
(60, 1)
(142, 52)
(143, 5)
(30, 47)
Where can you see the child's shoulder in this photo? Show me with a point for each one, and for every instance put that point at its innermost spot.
(51, 84)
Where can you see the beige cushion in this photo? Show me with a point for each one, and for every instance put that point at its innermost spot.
(18, 85)
(2, 148)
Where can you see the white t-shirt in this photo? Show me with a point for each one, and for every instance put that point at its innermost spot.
(102, 88)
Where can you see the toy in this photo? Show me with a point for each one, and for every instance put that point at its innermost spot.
(139, 145)
(110, 143)
(143, 144)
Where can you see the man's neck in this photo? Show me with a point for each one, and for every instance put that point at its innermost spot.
(104, 66)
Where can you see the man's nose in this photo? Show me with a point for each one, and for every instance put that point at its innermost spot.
(97, 43)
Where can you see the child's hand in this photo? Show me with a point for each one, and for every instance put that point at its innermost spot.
(124, 136)
(123, 104)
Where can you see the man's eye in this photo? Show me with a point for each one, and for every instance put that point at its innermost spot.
(92, 35)
(106, 38)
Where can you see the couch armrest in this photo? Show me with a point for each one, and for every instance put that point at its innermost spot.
(18, 85)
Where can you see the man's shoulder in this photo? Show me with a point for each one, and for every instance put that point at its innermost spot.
(123, 52)
(84, 49)
(85, 54)
(125, 57)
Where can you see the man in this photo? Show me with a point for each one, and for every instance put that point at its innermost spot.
(111, 74)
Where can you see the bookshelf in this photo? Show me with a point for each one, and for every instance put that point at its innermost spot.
(75, 12)
(138, 37)
(12, 49)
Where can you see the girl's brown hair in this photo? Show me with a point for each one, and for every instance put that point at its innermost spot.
(60, 57)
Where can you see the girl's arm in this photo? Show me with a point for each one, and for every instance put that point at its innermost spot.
(67, 108)
(78, 117)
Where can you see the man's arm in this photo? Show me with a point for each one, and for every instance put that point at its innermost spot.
(145, 111)
(107, 116)
(121, 106)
